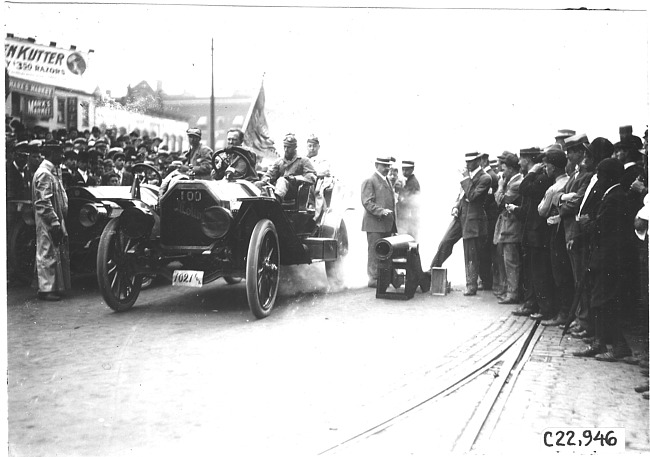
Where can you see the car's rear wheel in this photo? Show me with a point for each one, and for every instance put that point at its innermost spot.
(230, 280)
(263, 269)
(334, 269)
(21, 252)
(119, 285)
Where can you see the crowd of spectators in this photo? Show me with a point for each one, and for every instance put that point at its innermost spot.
(567, 238)
(92, 157)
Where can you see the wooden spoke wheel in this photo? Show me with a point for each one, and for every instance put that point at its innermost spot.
(263, 269)
(118, 283)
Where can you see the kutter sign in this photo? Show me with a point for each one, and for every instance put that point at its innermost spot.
(47, 64)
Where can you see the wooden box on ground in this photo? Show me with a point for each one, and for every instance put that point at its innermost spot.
(438, 281)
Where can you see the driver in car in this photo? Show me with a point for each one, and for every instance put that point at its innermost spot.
(287, 172)
(231, 165)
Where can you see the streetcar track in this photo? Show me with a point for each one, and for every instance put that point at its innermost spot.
(492, 419)
(486, 350)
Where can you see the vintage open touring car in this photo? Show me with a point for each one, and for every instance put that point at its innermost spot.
(214, 229)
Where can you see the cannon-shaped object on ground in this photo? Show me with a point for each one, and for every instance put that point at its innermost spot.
(400, 266)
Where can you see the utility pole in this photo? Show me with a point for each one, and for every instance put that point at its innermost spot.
(212, 100)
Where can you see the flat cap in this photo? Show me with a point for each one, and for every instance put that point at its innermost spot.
(576, 141)
(313, 139)
(553, 148)
(194, 132)
(529, 152)
(384, 160)
(21, 146)
(290, 138)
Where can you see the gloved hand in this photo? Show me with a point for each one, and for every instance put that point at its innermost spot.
(56, 232)
(291, 179)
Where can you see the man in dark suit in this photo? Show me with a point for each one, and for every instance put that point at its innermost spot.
(378, 200)
(612, 251)
(82, 176)
(126, 178)
(470, 221)
(535, 236)
(69, 166)
(568, 202)
(627, 151)
(17, 186)
(488, 250)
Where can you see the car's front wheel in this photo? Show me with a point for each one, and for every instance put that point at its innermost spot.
(119, 285)
(263, 269)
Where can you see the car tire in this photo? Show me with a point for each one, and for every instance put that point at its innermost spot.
(333, 268)
(263, 269)
(21, 252)
(119, 286)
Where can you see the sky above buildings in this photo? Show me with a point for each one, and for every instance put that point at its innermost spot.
(422, 84)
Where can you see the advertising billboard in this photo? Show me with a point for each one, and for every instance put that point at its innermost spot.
(50, 65)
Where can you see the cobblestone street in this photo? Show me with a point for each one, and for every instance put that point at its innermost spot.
(556, 389)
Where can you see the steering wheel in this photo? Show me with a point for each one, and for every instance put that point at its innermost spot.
(143, 175)
(237, 151)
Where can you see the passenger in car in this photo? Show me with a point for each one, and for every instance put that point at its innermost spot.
(286, 173)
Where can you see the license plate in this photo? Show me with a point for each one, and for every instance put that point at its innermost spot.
(188, 278)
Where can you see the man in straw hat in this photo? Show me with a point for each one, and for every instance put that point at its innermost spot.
(470, 221)
(378, 200)
(408, 204)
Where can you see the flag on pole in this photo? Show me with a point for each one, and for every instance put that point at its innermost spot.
(256, 130)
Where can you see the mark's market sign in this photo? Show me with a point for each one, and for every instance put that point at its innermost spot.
(41, 108)
(34, 62)
(30, 88)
